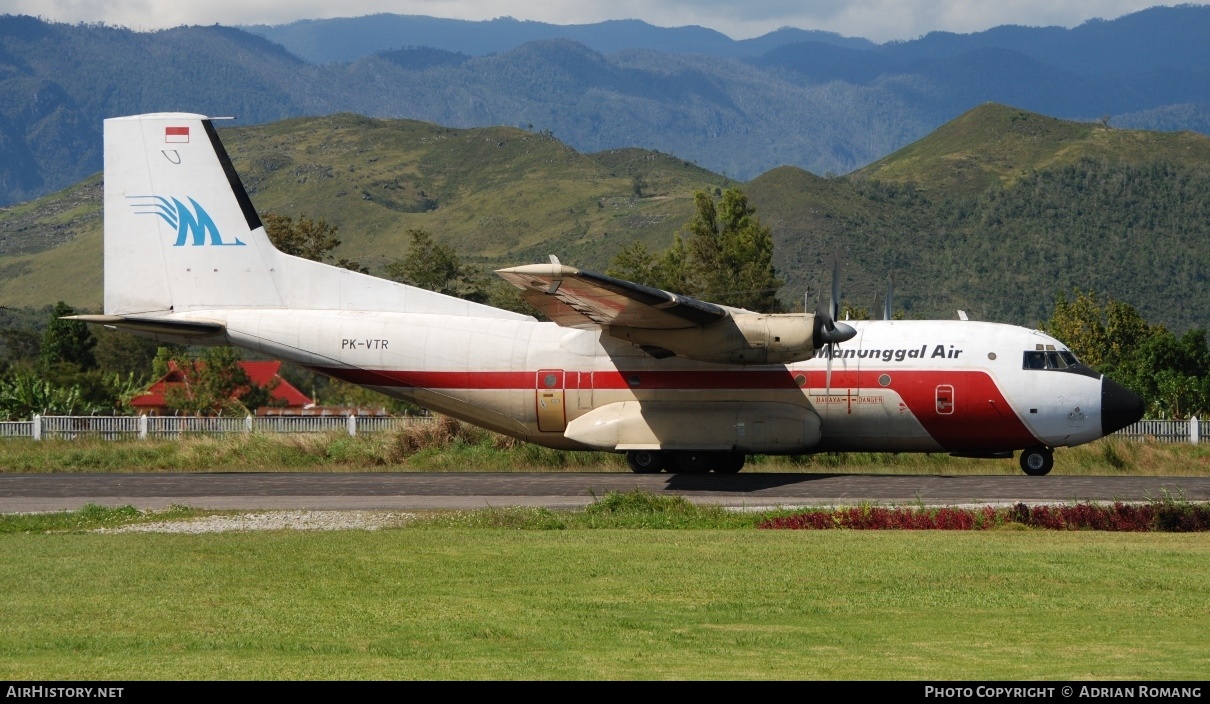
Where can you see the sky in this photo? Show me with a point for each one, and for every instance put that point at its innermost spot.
(878, 20)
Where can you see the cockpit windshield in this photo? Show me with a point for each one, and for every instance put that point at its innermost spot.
(1050, 359)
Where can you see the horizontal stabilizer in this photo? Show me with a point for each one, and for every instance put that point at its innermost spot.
(159, 326)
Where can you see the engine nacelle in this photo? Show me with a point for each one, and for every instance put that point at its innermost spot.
(743, 338)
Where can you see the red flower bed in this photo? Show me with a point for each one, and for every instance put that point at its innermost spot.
(1162, 516)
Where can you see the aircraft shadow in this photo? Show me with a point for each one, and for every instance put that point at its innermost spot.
(740, 482)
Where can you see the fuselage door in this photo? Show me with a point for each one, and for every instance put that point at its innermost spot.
(549, 398)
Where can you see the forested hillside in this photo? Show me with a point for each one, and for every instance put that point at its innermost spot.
(995, 213)
(1000, 209)
(820, 102)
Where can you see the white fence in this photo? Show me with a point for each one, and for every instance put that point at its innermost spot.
(114, 427)
(1192, 430)
(16, 429)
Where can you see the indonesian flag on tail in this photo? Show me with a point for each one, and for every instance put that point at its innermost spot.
(176, 135)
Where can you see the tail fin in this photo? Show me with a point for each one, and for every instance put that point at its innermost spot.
(180, 231)
(181, 234)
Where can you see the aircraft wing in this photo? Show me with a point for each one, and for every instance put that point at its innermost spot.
(579, 299)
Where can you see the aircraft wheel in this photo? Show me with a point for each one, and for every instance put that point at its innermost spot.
(1037, 461)
(731, 463)
(694, 462)
(645, 461)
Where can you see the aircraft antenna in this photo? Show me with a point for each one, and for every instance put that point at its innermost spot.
(890, 294)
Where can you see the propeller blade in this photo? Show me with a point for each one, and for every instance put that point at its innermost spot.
(890, 294)
(827, 384)
(827, 330)
(835, 307)
(823, 316)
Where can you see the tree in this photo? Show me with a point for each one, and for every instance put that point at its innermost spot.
(124, 354)
(1171, 373)
(19, 346)
(1080, 325)
(26, 394)
(215, 384)
(638, 185)
(67, 342)
(435, 267)
(306, 238)
(727, 257)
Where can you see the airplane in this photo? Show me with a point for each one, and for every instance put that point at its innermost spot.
(676, 383)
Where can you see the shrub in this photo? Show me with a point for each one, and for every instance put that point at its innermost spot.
(1171, 516)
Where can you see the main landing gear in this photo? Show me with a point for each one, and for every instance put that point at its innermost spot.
(1037, 461)
(685, 461)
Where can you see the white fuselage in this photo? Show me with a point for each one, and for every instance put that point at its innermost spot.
(898, 386)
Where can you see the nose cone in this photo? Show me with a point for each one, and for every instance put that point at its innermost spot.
(1120, 406)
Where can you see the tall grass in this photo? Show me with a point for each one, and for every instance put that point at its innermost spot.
(90, 517)
(452, 446)
(446, 445)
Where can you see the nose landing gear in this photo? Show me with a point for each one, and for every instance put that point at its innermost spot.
(1037, 461)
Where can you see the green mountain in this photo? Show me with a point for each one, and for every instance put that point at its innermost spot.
(993, 213)
(995, 144)
(1000, 209)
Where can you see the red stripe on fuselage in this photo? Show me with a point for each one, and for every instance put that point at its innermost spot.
(981, 419)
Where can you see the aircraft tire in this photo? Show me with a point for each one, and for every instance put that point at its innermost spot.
(1037, 461)
(646, 461)
(694, 462)
(731, 463)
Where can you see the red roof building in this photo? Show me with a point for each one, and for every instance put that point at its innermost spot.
(152, 402)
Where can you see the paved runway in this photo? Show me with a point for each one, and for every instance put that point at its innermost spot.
(402, 491)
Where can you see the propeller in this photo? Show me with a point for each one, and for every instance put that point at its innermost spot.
(827, 329)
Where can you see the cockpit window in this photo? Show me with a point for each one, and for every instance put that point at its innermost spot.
(1050, 359)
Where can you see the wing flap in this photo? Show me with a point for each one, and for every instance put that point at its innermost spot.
(575, 298)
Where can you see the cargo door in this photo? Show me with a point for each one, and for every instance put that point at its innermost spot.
(549, 398)
(583, 389)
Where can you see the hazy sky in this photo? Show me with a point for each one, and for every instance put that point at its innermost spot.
(879, 20)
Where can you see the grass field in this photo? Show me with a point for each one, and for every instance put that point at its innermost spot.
(457, 447)
(437, 602)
